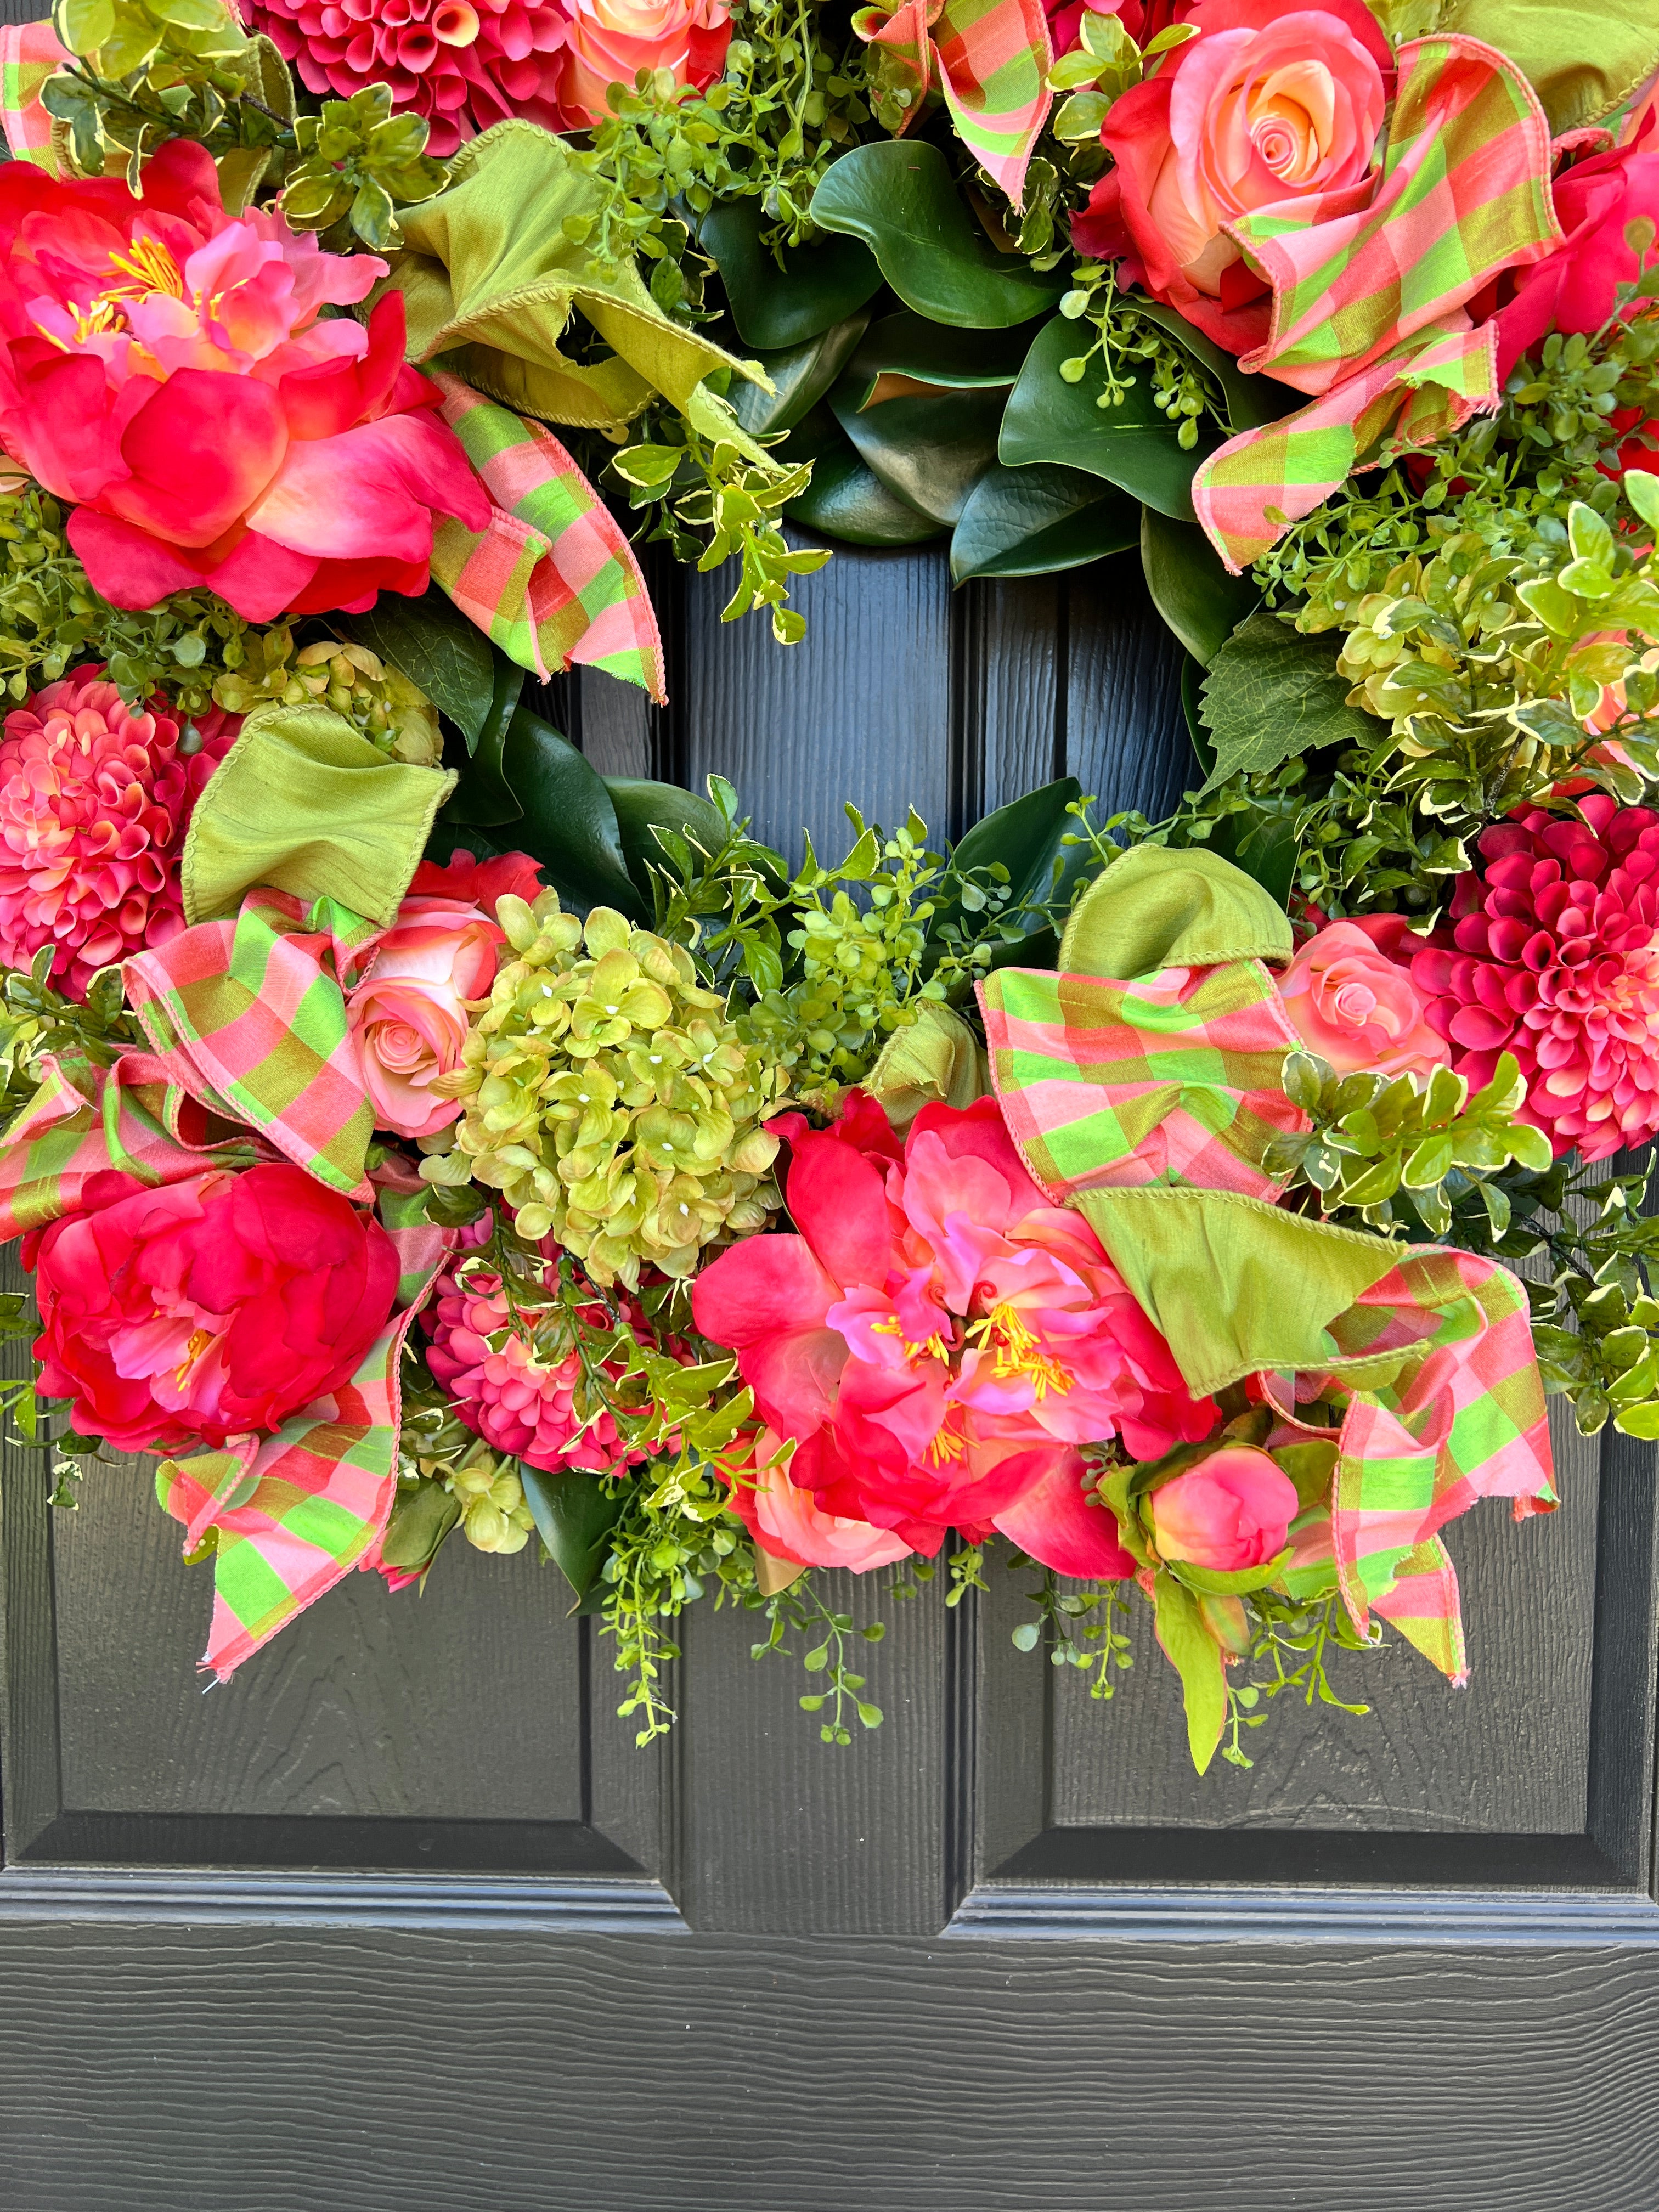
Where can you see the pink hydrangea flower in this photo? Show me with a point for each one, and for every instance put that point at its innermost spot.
(1555, 958)
(95, 799)
(938, 1340)
(514, 1382)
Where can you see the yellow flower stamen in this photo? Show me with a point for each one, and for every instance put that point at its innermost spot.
(1013, 1352)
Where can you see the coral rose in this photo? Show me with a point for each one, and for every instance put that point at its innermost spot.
(408, 1016)
(1351, 998)
(1231, 1511)
(209, 1308)
(787, 1521)
(937, 1340)
(165, 366)
(95, 797)
(1271, 103)
(610, 41)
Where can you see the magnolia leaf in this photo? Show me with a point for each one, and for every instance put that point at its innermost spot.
(845, 499)
(643, 807)
(574, 1518)
(569, 823)
(930, 448)
(900, 198)
(1200, 602)
(1132, 444)
(438, 648)
(1272, 695)
(420, 1521)
(800, 375)
(776, 305)
(1035, 521)
(909, 345)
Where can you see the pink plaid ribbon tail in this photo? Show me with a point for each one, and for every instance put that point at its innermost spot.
(990, 59)
(553, 580)
(29, 54)
(1368, 305)
(291, 1515)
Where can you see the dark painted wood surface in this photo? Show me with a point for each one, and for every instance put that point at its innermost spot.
(1404, 1958)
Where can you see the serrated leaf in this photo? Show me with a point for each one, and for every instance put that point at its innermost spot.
(1272, 695)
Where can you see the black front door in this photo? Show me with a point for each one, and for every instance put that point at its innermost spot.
(400, 1921)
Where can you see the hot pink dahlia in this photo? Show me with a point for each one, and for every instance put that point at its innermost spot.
(511, 1384)
(463, 67)
(95, 799)
(1555, 958)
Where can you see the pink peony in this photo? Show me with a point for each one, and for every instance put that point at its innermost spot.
(480, 883)
(408, 1016)
(1555, 958)
(95, 799)
(937, 1340)
(787, 1523)
(1350, 998)
(514, 1377)
(169, 368)
(610, 41)
(1231, 1511)
(1275, 104)
(209, 1308)
(462, 65)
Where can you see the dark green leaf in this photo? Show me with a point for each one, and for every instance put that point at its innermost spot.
(846, 500)
(928, 448)
(1263, 846)
(484, 796)
(899, 197)
(1024, 837)
(1030, 522)
(1132, 444)
(1251, 400)
(642, 807)
(1190, 586)
(435, 646)
(569, 823)
(906, 344)
(801, 375)
(1272, 695)
(817, 285)
(574, 1518)
(420, 1521)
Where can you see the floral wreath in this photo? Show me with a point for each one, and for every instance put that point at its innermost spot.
(416, 1136)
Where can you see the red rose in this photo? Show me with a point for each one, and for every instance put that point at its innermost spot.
(1272, 103)
(209, 1308)
(1575, 288)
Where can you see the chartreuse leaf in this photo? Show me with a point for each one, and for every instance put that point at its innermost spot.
(1190, 588)
(801, 377)
(899, 197)
(643, 808)
(574, 1518)
(437, 647)
(1272, 695)
(1196, 1657)
(1033, 522)
(776, 305)
(1132, 444)
(1235, 1582)
(929, 447)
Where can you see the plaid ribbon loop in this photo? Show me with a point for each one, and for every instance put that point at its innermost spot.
(1148, 1104)
(990, 60)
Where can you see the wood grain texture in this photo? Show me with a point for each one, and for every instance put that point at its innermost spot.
(188, 2072)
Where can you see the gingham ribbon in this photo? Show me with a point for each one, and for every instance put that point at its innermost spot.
(29, 54)
(295, 1511)
(990, 59)
(1172, 1078)
(553, 580)
(249, 1016)
(1368, 308)
(1169, 1081)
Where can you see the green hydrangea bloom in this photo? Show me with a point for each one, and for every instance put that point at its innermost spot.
(610, 1100)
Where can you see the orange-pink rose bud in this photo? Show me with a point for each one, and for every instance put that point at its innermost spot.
(1231, 1511)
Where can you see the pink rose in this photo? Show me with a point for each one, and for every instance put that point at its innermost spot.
(789, 1523)
(610, 41)
(408, 1013)
(1271, 104)
(1349, 1001)
(1232, 1511)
